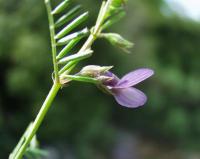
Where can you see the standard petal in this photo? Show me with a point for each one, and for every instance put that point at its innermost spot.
(129, 97)
(134, 78)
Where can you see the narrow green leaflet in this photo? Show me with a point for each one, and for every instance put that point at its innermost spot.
(68, 47)
(68, 38)
(72, 25)
(61, 7)
(68, 16)
(76, 57)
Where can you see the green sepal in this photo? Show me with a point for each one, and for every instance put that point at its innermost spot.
(68, 16)
(94, 70)
(61, 7)
(72, 25)
(67, 78)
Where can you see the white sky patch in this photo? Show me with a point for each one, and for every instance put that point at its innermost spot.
(189, 8)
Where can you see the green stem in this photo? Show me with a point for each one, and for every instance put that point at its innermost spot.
(53, 41)
(45, 107)
(29, 134)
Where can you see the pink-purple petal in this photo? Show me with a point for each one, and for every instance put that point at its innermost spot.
(129, 97)
(134, 78)
(112, 82)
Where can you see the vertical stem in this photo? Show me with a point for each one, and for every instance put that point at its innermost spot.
(26, 139)
(53, 41)
(34, 127)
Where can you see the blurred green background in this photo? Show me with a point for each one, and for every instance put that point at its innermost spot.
(84, 123)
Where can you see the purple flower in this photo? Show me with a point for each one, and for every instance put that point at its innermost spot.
(122, 89)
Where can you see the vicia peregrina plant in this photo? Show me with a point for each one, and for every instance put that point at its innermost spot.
(63, 63)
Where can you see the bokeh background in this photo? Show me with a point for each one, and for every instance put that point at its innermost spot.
(84, 123)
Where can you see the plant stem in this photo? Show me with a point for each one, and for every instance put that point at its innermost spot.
(53, 41)
(34, 127)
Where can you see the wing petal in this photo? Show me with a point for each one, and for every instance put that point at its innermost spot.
(129, 97)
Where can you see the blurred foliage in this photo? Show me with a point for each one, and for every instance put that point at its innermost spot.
(82, 118)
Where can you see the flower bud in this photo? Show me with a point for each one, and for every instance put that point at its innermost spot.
(118, 3)
(115, 7)
(117, 40)
(94, 70)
